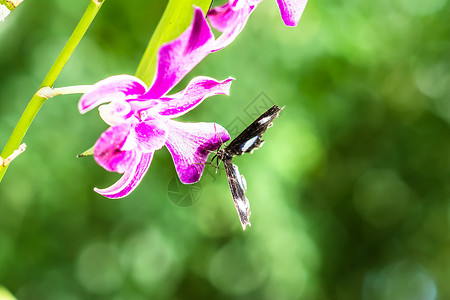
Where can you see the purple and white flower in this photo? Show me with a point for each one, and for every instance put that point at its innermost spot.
(141, 117)
(232, 17)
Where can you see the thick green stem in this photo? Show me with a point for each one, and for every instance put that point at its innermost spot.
(175, 20)
(37, 101)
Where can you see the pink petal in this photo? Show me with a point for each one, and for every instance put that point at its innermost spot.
(291, 10)
(150, 135)
(197, 90)
(177, 58)
(112, 88)
(130, 179)
(190, 145)
(109, 149)
(230, 19)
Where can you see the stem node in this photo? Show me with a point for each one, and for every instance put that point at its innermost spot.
(5, 162)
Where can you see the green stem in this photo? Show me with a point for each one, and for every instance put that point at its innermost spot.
(10, 4)
(37, 101)
(175, 20)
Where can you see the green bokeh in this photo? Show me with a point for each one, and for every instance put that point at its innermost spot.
(349, 195)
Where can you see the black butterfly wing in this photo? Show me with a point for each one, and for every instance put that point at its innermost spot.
(238, 187)
(251, 137)
(247, 141)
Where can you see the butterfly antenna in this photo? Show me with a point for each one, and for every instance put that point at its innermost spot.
(216, 156)
(220, 138)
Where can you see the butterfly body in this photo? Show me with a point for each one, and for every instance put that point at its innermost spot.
(247, 141)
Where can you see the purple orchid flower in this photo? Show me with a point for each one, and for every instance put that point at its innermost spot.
(141, 118)
(232, 17)
(291, 10)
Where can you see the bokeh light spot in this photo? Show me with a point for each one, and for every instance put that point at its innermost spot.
(381, 197)
(400, 281)
(422, 8)
(235, 271)
(98, 269)
(151, 260)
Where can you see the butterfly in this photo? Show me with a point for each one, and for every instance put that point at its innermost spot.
(247, 141)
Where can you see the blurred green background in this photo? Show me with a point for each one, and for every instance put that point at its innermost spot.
(349, 195)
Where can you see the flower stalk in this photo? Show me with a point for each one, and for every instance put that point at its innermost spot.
(37, 101)
(48, 92)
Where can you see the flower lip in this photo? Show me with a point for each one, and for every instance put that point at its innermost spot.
(150, 135)
(109, 152)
